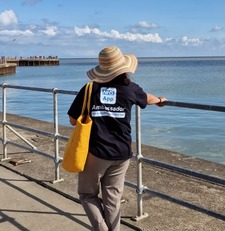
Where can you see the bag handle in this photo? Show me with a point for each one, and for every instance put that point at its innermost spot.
(87, 98)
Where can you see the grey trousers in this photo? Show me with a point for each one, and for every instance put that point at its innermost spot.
(105, 178)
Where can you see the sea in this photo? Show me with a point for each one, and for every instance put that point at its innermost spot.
(199, 80)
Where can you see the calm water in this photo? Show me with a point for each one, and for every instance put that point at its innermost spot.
(194, 80)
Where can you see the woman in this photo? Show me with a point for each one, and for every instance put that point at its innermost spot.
(113, 96)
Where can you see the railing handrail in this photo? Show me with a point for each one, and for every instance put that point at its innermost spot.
(195, 106)
(4, 85)
(167, 103)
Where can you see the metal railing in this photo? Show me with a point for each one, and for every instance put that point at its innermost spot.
(55, 134)
(140, 188)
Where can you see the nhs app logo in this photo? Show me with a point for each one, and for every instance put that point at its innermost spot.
(108, 95)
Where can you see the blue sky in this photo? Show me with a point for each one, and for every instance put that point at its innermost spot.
(147, 28)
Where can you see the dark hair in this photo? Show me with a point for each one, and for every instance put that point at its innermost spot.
(122, 79)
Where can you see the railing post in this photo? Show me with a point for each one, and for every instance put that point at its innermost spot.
(4, 126)
(140, 187)
(56, 133)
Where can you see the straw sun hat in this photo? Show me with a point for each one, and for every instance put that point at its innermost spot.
(112, 62)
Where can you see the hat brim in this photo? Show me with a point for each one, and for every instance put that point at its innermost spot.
(100, 75)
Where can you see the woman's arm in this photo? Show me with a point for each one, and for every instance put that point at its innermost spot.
(72, 121)
(151, 99)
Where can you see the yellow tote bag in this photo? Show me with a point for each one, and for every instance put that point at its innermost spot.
(76, 150)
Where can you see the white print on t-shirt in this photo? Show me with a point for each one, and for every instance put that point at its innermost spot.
(108, 113)
(106, 108)
(108, 95)
(102, 110)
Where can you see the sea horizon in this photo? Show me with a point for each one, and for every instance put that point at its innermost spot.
(160, 57)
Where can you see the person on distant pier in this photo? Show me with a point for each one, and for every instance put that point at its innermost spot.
(113, 96)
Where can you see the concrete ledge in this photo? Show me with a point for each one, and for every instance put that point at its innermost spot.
(7, 68)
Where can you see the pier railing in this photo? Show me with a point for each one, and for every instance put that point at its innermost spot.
(34, 61)
(56, 158)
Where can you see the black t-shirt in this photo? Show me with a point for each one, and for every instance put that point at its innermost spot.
(111, 114)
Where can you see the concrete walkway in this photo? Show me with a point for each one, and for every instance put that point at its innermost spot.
(28, 206)
(25, 205)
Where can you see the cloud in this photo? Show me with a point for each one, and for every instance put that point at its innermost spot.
(15, 32)
(77, 41)
(114, 34)
(216, 29)
(17, 36)
(185, 41)
(147, 25)
(50, 30)
(143, 26)
(8, 17)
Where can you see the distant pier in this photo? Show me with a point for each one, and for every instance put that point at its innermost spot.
(34, 61)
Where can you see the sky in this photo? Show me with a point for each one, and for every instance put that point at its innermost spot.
(80, 29)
